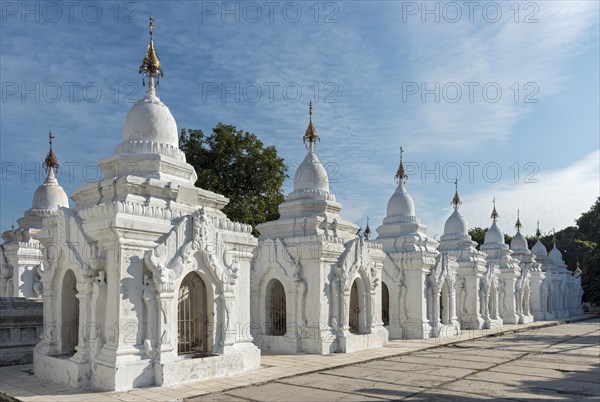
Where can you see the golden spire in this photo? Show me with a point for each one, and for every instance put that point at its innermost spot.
(537, 232)
(494, 215)
(367, 231)
(50, 162)
(310, 135)
(151, 64)
(401, 173)
(456, 199)
(518, 225)
(577, 273)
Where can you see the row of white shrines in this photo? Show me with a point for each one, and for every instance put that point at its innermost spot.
(147, 282)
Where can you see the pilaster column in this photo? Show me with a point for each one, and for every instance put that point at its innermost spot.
(167, 321)
(84, 298)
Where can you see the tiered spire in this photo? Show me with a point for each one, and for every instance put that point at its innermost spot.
(50, 163)
(494, 215)
(456, 199)
(310, 135)
(401, 173)
(537, 232)
(518, 225)
(151, 64)
(577, 273)
(367, 231)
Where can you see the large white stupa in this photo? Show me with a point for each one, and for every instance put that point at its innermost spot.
(149, 281)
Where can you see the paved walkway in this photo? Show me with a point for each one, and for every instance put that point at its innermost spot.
(544, 361)
(555, 363)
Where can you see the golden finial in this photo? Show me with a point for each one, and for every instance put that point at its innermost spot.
(310, 135)
(537, 232)
(151, 64)
(577, 273)
(367, 231)
(456, 199)
(494, 215)
(518, 225)
(401, 173)
(50, 162)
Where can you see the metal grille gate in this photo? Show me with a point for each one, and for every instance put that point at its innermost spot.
(354, 309)
(385, 304)
(276, 308)
(192, 316)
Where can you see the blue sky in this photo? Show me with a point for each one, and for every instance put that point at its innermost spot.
(377, 67)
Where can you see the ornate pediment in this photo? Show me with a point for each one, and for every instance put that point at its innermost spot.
(274, 252)
(439, 271)
(195, 233)
(355, 258)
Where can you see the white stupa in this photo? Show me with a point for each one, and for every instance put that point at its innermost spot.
(315, 282)
(539, 283)
(476, 279)
(150, 285)
(21, 252)
(560, 279)
(413, 267)
(512, 287)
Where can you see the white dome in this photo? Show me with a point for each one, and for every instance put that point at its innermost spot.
(518, 242)
(555, 255)
(455, 224)
(494, 235)
(401, 203)
(311, 175)
(50, 195)
(150, 120)
(539, 249)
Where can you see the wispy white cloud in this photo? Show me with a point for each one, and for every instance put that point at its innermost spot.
(368, 53)
(534, 55)
(558, 198)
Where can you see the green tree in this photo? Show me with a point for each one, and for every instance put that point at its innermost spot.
(589, 241)
(478, 235)
(236, 164)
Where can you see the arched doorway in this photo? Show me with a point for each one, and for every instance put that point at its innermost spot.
(493, 302)
(192, 318)
(69, 313)
(275, 308)
(444, 302)
(385, 304)
(356, 319)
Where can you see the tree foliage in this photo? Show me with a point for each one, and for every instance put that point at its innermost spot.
(589, 242)
(236, 164)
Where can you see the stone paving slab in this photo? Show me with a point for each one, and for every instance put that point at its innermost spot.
(535, 370)
(360, 386)
(449, 396)
(449, 372)
(414, 379)
(444, 362)
(469, 367)
(279, 391)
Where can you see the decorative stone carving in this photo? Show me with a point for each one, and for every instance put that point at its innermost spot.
(354, 259)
